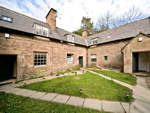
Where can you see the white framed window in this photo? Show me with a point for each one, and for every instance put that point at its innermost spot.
(70, 38)
(40, 59)
(93, 58)
(5, 18)
(45, 31)
(69, 58)
(94, 41)
(40, 30)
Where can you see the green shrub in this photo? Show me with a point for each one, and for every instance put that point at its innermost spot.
(18, 81)
(57, 75)
(33, 77)
(61, 73)
(41, 76)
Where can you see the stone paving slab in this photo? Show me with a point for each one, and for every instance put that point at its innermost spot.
(136, 107)
(133, 110)
(76, 101)
(126, 106)
(28, 93)
(141, 106)
(112, 106)
(19, 92)
(12, 90)
(93, 104)
(49, 96)
(140, 97)
(61, 98)
(38, 95)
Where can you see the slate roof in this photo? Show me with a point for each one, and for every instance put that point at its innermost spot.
(123, 32)
(25, 24)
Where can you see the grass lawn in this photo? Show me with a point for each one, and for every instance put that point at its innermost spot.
(93, 86)
(127, 78)
(10, 103)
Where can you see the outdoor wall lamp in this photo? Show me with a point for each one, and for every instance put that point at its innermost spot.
(127, 94)
(75, 72)
(24, 84)
(82, 71)
(53, 88)
(80, 91)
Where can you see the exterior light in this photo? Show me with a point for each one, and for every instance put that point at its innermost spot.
(53, 88)
(24, 84)
(75, 72)
(80, 91)
(127, 94)
(82, 71)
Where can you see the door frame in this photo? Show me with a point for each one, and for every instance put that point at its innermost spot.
(82, 61)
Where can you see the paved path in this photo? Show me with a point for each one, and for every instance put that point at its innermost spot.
(141, 94)
(70, 100)
(140, 105)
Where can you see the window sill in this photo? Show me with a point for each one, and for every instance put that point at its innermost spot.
(40, 66)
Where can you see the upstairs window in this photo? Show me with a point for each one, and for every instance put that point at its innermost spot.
(70, 38)
(41, 30)
(93, 59)
(5, 18)
(94, 41)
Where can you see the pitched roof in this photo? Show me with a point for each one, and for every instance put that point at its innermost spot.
(123, 32)
(25, 24)
(134, 37)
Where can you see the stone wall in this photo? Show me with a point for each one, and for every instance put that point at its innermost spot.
(113, 52)
(25, 46)
(135, 46)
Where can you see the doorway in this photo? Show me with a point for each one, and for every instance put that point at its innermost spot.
(8, 66)
(135, 62)
(81, 61)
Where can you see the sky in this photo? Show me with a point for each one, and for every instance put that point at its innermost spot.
(70, 12)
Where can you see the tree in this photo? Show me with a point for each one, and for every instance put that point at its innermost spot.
(132, 15)
(109, 20)
(104, 22)
(86, 24)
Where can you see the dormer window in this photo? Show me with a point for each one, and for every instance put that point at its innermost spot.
(94, 40)
(70, 38)
(40, 30)
(5, 18)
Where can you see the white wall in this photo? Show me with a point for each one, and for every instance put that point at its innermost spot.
(144, 61)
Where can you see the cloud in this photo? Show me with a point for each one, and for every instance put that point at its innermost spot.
(72, 11)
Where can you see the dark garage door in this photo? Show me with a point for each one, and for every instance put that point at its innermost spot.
(7, 66)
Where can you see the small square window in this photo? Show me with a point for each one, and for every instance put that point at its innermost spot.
(93, 59)
(69, 59)
(105, 57)
(40, 59)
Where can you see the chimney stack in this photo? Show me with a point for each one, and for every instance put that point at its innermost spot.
(84, 33)
(51, 18)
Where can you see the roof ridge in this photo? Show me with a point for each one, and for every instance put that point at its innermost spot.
(118, 27)
(70, 32)
(22, 14)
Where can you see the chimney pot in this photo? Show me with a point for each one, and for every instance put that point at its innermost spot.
(84, 33)
(51, 18)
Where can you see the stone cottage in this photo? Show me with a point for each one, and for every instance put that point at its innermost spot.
(32, 47)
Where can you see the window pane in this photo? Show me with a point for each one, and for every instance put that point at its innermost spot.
(39, 59)
(69, 59)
